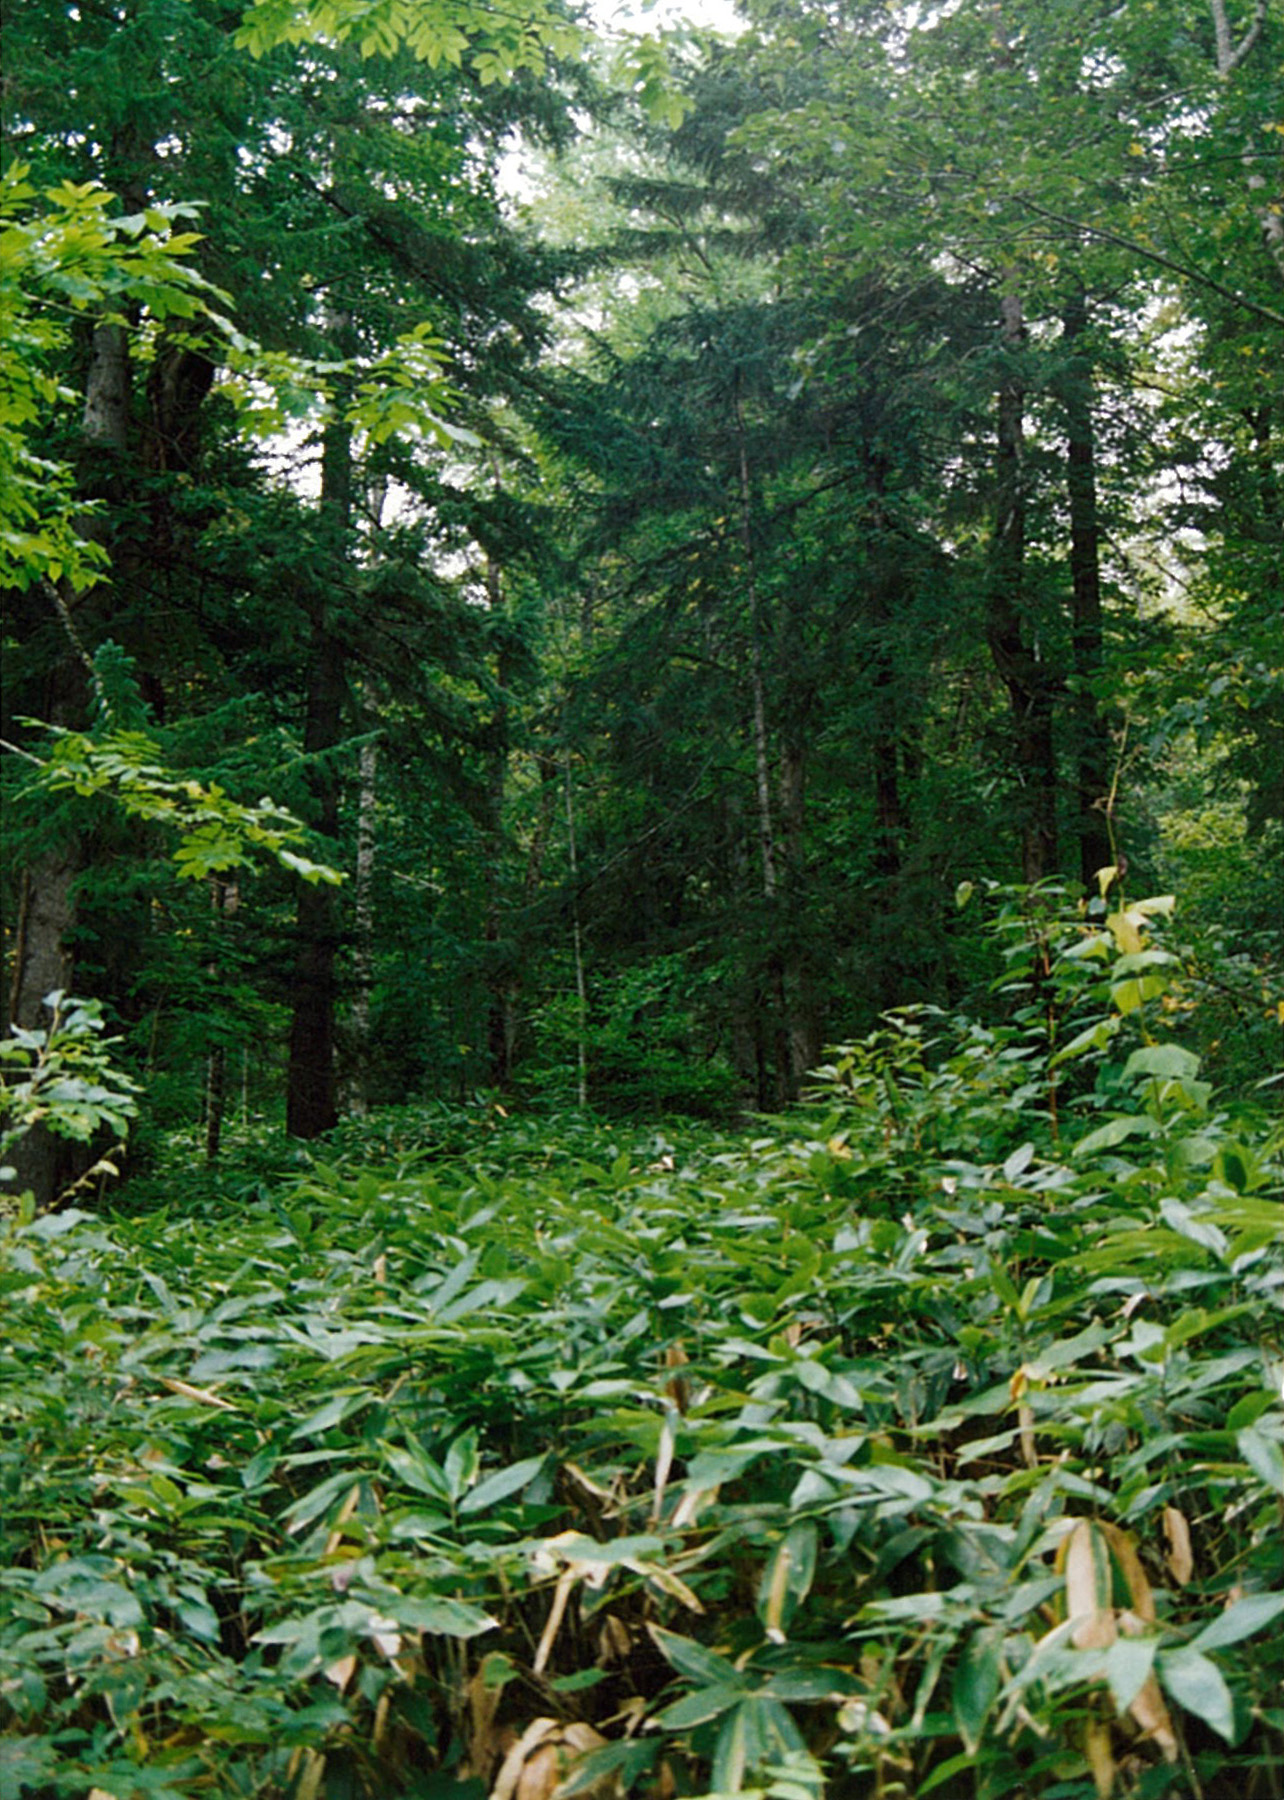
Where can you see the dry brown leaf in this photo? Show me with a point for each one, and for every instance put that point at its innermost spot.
(565, 1582)
(1101, 1758)
(1025, 1426)
(309, 1783)
(1181, 1561)
(341, 1672)
(1088, 1587)
(204, 1396)
(665, 1785)
(669, 1583)
(581, 1480)
(1093, 1551)
(692, 1504)
(1153, 1718)
(1124, 1550)
(614, 1641)
(675, 1357)
(332, 1543)
(510, 1772)
(663, 1465)
(482, 1696)
(543, 1757)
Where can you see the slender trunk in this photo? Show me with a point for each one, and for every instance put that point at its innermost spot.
(310, 1094)
(500, 982)
(1012, 641)
(777, 997)
(801, 1013)
(1230, 55)
(577, 944)
(757, 685)
(363, 926)
(311, 1107)
(224, 900)
(215, 1101)
(42, 964)
(1093, 737)
(42, 958)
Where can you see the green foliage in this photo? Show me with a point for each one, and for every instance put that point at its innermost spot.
(896, 1443)
(65, 255)
(216, 833)
(61, 1077)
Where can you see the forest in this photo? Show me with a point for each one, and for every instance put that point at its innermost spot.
(642, 750)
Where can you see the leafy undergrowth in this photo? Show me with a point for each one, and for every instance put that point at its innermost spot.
(926, 1441)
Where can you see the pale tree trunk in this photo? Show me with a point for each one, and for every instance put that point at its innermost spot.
(501, 1003)
(363, 926)
(42, 958)
(802, 1019)
(1013, 644)
(1092, 749)
(1230, 56)
(225, 899)
(776, 998)
(42, 964)
(757, 685)
(577, 942)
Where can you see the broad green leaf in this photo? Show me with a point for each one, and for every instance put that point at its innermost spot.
(500, 1485)
(1198, 1686)
(697, 1708)
(1242, 1619)
(1264, 1455)
(1127, 1665)
(1169, 1060)
(694, 1660)
(1115, 1131)
(787, 1577)
(978, 1675)
(417, 1469)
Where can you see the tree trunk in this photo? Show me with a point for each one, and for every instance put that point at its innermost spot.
(310, 1091)
(799, 995)
(42, 958)
(363, 928)
(1230, 55)
(1013, 644)
(776, 998)
(42, 964)
(577, 943)
(1092, 749)
(501, 1010)
(311, 1107)
(224, 902)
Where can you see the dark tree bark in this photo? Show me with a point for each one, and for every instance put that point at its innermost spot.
(1012, 641)
(501, 1010)
(311, 1105)
(1092, 735)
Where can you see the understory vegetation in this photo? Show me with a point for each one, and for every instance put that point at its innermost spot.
(924, 1439)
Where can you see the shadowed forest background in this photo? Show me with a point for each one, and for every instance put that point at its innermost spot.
(566, 594)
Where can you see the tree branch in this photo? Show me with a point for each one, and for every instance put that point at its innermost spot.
(1157, 258)
(1229, 54)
